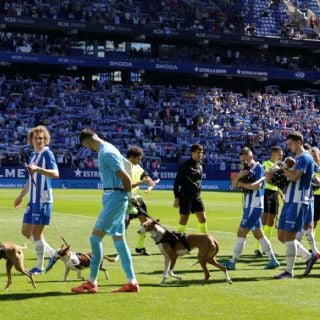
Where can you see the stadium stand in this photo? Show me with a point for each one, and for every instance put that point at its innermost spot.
(163, 117)
(223, 55)
(164, 120)
(262, 17)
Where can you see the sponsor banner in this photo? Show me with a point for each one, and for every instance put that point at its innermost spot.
(207, 185)
(211, 173)
(151, 65)
(12, 183)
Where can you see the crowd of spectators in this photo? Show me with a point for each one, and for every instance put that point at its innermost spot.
(164, 120)
(219, 16)
(219, 55)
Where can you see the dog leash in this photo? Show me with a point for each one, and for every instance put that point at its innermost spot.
(136, 204)
(171, 235)
(145, 213)
(59, 233)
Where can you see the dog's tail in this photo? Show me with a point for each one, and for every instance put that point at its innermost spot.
(111, 259)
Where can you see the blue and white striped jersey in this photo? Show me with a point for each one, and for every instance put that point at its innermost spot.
(42, 191)
(299, 191)
(255, 198)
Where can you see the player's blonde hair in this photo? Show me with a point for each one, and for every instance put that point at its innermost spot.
(39, 130)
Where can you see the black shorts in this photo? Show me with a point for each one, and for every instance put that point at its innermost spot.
(316, 216)
(271, 202)
(191, 204)
(142, 210)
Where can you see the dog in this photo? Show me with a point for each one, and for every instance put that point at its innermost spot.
(173, 245)
(13, 253)
(78, 261)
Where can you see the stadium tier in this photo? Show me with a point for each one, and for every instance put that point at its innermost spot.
(159, 74)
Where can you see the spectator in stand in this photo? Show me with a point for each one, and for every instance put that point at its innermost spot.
(224, 16)
(221, 119)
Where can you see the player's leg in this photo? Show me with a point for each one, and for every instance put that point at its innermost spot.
(291, 221)
(26, 228)
(257, 251)
(197, 207)
(122, 248)
(140, 245)
(241, 239)
(184, 212)
(271, 205)
(267, 248)
(238, 248)
(91, 286)
(37, 232)
(114, 225)
(202, 222)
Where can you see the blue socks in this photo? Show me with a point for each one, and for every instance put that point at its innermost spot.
(97, 252)
(126, 259)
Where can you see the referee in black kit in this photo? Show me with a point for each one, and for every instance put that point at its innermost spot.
(187, 188)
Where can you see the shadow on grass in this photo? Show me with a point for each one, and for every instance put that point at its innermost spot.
(214, 273)
(160, 272)
(172, 284)
(212, 281)
(60, 281)
(6, 296)
(252, 279)
(152, 254)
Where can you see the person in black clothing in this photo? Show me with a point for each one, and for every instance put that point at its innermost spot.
(187, 188)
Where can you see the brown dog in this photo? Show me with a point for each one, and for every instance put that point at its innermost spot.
(173, 245)
(78, 261)
(15, 257)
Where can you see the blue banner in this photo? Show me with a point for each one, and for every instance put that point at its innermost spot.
(151, 65)
(16, 177)
(211, 173)
(208, 185)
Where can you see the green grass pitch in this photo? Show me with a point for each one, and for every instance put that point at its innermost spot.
(254, 293)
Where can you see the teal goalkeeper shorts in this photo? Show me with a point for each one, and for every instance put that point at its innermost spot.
(112, 217)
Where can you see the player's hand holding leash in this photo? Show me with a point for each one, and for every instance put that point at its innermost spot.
(32, 168)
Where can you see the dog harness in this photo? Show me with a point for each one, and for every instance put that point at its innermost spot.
(2, 252)
(84, 261)
(172, 238)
